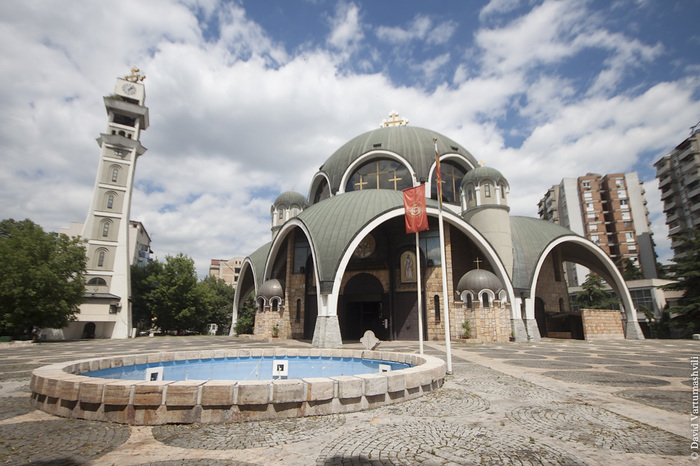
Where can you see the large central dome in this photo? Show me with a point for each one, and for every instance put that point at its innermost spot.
(412, 147)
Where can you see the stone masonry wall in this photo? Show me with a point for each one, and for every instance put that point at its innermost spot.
(488, 324)
(602, 324)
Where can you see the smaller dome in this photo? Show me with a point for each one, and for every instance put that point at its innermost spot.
(479, 279)
(290, 198)
(483, 173)
(271, 289)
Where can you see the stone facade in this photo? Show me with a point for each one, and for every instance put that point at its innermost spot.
(487, 324)
(602, 324)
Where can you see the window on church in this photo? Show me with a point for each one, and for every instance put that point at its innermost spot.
(105, 229)
(452, 175)
(487, 190)
(110, 201)
(302, 251)
(503, 192)
(430, 246)
(101, 259)
(436, 302)
(469, 300)
(97, 281)
(470, 194)
(380, 174)
(323, 192)
(115, 174)
(281, 214)
(485, 300)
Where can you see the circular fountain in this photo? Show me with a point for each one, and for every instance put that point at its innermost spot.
(241, 385)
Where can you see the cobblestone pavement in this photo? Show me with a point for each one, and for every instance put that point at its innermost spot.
(554, 402)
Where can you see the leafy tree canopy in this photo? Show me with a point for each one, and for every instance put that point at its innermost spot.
(594, 296)
(629, 269)
(43, 277)
(168, 295)
(245, 323)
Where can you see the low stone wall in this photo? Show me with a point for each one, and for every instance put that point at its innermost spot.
(602, 324)
(60, 389)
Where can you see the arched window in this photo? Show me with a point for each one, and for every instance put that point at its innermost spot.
(105, 228)
(487, 190)
(436, 302)
(275, 304)
(115, 173)
(452, 175)
(380, 174)
(97, 281)
(110, 200)
(322, 192)
(297, 318)
(470, 194)
(469, 300)
(485, 299)
(101, 258)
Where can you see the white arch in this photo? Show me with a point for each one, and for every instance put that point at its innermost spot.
(278, 241)
(444, 157)
(369, 156)
(315, 182)
(454, 220)
(619, 283)
(245, 267)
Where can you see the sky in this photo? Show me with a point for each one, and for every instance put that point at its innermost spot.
(247, 99)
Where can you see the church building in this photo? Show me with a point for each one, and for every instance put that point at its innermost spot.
(340, 261)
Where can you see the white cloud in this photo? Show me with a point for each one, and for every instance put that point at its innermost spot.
(237, 118)
(346, 30)
(495, 7)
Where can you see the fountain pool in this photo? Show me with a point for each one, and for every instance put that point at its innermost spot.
(116, 388)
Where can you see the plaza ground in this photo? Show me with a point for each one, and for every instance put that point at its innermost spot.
(554, 402)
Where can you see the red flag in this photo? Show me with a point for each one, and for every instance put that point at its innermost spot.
(416, 215)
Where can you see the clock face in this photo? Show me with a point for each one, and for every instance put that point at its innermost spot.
(365, 248)
(129, 88)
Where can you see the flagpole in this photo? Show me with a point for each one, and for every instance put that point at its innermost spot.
(420, 300)
(445, 295)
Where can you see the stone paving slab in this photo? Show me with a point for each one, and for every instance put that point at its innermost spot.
(503, 404)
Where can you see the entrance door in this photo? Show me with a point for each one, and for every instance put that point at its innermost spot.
(361, 308)
(406, 316)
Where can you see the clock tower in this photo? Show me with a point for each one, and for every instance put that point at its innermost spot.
(106, 312)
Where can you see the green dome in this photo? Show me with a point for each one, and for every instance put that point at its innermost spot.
(483, 173)
(413, 144)
(290, 198)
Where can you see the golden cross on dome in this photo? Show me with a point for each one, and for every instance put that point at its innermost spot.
(481, 163)
(135, 76)
(393, 120)
(477, 261)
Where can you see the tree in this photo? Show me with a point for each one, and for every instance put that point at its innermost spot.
(594, 296)
(141, 288)
(686, 269)
(43, 277)
(219, 301)
(245, 323)
(175, 300)
(629, 269)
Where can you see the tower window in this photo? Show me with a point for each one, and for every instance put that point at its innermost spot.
(115, 174)
(487, 190)
(101, 259)
(110, 201)
(470, 194)
(105, 229)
